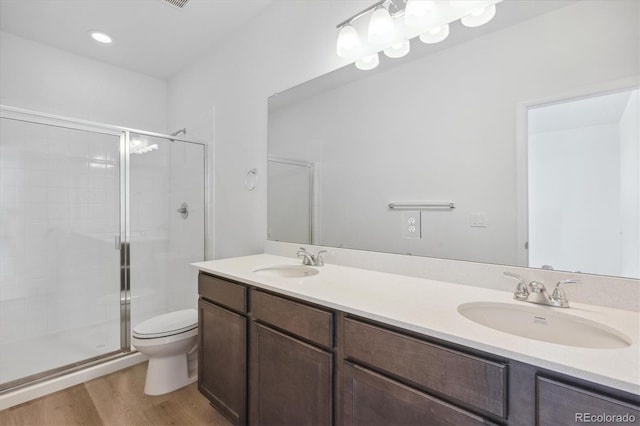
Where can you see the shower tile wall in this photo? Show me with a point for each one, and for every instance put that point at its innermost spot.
(187, 235)
(59, 197)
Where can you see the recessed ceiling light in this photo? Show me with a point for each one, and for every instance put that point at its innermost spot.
(100, 37)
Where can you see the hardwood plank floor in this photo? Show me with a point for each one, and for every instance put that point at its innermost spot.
(115, 399)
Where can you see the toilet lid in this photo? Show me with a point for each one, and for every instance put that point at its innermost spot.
(167, 324)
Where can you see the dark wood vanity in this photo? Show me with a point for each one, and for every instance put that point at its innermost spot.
(268, 359)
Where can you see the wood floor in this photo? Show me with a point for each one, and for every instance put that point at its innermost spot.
(115, 399)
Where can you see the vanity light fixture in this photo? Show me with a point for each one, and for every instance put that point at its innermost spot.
(101, 37)
(479, 16)
(393, 23)
(380, 27)
(398, 50)
(348, 42)
(368, 62)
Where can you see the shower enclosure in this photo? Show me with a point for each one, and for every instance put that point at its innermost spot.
(98, 225)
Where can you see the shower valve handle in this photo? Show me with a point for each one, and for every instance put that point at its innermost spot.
(183, 210)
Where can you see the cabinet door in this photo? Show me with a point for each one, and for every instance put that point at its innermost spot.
(370, 399)
(290, 380)
(222, 360)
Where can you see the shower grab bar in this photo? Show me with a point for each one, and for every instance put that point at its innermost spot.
(422, 205)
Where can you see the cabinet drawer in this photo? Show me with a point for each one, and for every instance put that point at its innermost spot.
(226, 293)
(562, 404)
(370, 399)
(465, 378)
(304, 321)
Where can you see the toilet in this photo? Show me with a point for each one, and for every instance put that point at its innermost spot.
(170, 342)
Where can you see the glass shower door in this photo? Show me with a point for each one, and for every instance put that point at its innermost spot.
(167, 217)
(59, 257)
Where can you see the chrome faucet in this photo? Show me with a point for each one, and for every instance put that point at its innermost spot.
(536, 292)
(309, 259)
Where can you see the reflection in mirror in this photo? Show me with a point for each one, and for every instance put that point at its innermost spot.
(448, 123)
(584, 175)
(290, 204)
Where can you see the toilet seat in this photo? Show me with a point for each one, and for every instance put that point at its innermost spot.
(167, 325)
(141, 343)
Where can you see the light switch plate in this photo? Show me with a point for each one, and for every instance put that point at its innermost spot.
(478, 220)
(411, 227)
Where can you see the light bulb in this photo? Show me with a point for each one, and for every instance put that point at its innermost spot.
(380, 27)
(435, 35)
(348, 42)
(368, 62)
(416, 13)
(479, 16)
(398, 50)
(100, 37)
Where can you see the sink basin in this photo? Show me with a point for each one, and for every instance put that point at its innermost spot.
(286, 271)
(544, 324)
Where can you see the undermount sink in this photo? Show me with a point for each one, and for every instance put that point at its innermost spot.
(544, 324)
(286, 271)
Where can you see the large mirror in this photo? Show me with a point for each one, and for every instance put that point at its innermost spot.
(515, 143)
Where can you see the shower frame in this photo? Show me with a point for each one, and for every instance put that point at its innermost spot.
(124, 238)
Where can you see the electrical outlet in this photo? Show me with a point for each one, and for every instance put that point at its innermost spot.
(411, 228)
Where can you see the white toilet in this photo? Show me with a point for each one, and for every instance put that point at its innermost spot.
(170, 342)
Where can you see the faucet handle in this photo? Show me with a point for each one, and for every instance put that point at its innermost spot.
(570, 281)
(558, 293)
(307, 259)
(320, 257)
(522, 292)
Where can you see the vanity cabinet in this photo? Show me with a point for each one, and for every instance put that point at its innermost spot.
(291, 370)
(270, 359)
(222, 352)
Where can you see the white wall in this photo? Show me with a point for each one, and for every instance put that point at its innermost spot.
(630, 187)
(46, 79)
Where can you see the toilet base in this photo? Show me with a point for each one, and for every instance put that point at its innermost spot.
(167, 374)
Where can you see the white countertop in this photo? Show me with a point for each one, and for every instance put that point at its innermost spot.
(430, 308)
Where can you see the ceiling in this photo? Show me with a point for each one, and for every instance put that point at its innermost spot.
(149, 36)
